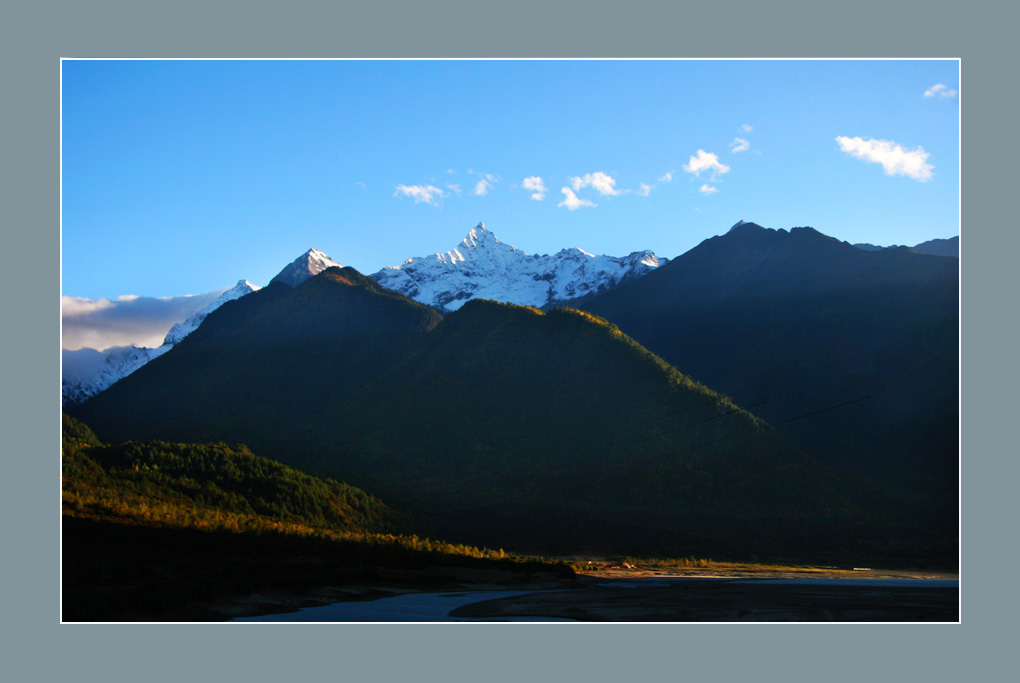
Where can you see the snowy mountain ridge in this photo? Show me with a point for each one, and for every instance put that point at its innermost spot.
(86, 372)
(181, 330)
(484, 267)
(305, 266)
(481, 266)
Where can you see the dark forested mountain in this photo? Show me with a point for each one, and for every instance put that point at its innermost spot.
(935, 247)
(939, 247)
(209, 486)
(555, 431)
(497, 425)
(260, 367)
(809, 322)
(161, 531)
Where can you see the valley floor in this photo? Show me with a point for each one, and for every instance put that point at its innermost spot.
(631, 595)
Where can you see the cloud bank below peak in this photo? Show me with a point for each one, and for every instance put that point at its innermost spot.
(125, 321)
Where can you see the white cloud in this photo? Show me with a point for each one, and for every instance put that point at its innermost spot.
(895, 159)
(706, 161)
(453, 187)
(739, 145)
(940, 90)
(708, 189)
(644, 189)
(746, 128)
(360, 184)
(537, 187)
(451, 171)
(572, 202)
(486, 183)
(428, 194)
(602, 182)
(129, 320)
(72, 306)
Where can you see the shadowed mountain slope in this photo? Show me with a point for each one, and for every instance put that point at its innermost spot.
(558, 431)
(810, 322)
(260, 366)
(209, 486)
(498, 425)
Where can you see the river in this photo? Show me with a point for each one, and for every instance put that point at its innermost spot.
(410, 607)
(662, 598)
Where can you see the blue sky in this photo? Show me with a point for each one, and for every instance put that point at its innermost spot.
(181, 177)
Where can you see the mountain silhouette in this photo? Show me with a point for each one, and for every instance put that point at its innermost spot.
(498, 425)
(810, 322)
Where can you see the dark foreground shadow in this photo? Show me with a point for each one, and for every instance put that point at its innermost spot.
(697, 600)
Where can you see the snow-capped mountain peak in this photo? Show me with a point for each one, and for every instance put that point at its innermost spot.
(182, 329)
(650, 259)
(89, 371)
(305, 266)
(86, 372)
(480, 247)
(479, 235)
(574, 253)
(482, 266)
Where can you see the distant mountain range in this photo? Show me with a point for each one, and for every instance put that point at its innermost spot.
(86, 372)
(183, 329)
(807, 322)
(496, 424)
(309, 264)
(504, 424)
(936, 247)
(480, 267)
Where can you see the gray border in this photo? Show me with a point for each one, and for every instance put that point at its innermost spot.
(36, 35)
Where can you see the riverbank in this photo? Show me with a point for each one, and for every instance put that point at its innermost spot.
(723, 599)
(387, 584)
(633, 594)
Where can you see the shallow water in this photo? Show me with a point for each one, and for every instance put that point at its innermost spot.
(410, 607)
(663, 582)
(656, 582)
(436, 607)
(874, 583)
